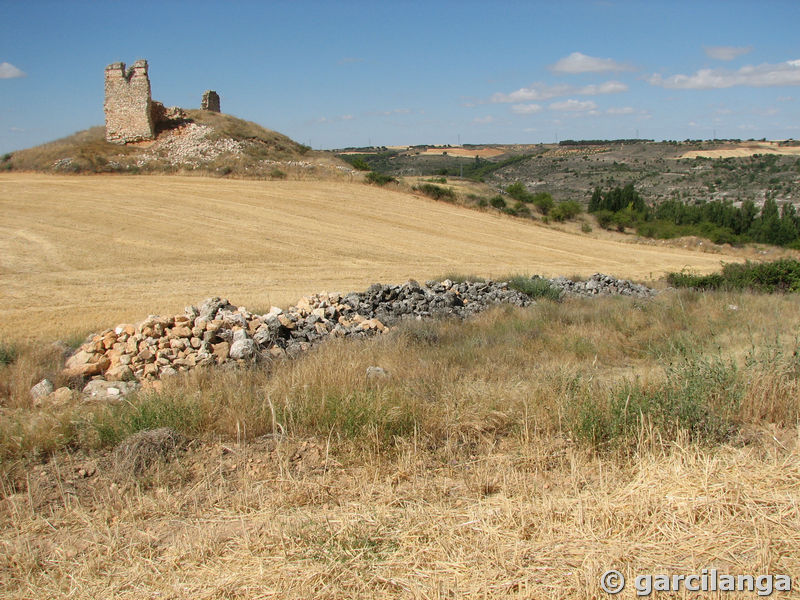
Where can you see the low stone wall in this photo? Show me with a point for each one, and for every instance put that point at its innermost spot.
(217, 332)
(601, 285)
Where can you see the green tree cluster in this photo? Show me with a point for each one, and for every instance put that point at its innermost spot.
(544, 203)
(721, 222)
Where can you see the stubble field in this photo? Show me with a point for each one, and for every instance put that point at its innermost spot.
(84, 253)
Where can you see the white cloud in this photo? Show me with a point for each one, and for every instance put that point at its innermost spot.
(572, 105)
(764, 75)
(542, 91)
(484, 120)
(623, 110)
(537, 91)
(9, 71)
(726, 52)
(16, 130)
(322, 120)
(785, 99)
(387, 113)
(581, 63)
(769, 111)
(609, 87)
(526, 109)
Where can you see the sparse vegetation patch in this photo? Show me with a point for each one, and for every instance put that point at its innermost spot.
(778, 276)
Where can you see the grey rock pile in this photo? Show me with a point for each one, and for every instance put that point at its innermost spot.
(601, 285)
(218, 333)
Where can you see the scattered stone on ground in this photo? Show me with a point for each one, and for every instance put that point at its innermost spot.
(100, 389)
(61, 396)
(41, 390)
(377, 373)
(219, 333)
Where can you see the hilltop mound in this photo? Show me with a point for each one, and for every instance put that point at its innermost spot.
(203, 141)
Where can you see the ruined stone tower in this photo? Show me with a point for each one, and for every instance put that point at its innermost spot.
(128, 105)
(210, 101)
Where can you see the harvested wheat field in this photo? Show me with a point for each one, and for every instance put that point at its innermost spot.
(744, 150)
(465, 152)
(78, 253)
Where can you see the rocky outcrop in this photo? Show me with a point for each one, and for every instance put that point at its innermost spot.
(217, 333)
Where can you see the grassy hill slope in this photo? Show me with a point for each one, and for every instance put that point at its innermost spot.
(83, 253)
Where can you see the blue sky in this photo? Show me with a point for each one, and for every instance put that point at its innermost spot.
(336, 74)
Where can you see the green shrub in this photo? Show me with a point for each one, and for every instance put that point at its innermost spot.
(535, 287)
(518, 192)
(778, 276)
(521, 209)
(566, 211)
(498, 202)
(359, 164)
(605, 218)
(700, 399)
(277, 174)
(436, 192)
(8, 353)
(586, 228)
(149, 410)
(543, 202)
(379, 178)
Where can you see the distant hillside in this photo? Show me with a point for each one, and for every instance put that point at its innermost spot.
(208, 142)
(691, 170)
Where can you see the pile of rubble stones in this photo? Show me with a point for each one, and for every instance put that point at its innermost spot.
(217, 332)
(599, 284)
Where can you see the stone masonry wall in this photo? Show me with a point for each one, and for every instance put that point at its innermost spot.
(217, 332)
(128, 104)
(210, 101)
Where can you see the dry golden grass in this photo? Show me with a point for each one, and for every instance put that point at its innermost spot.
(487, 494)
(463, 187)
(79, 253)
(283, 520)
